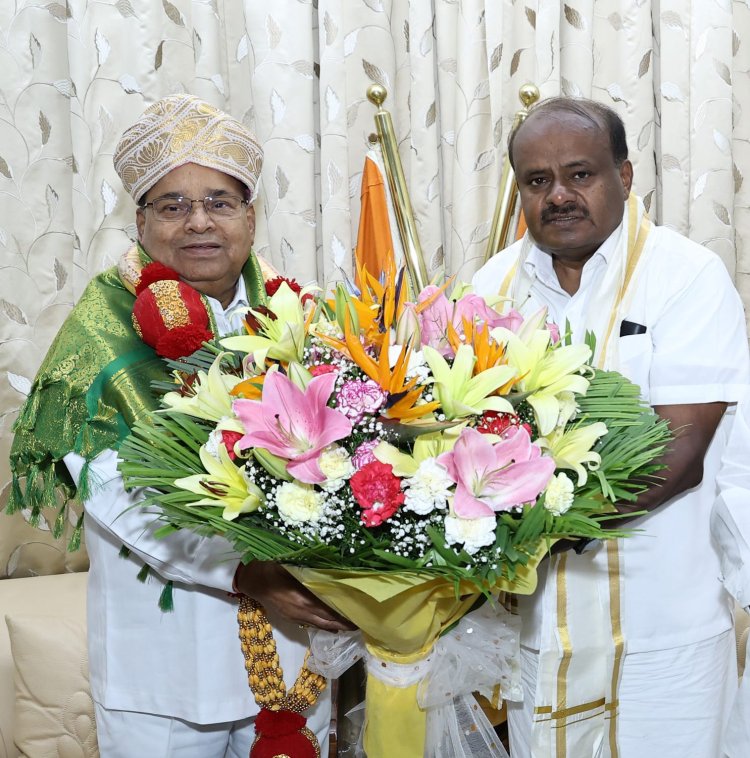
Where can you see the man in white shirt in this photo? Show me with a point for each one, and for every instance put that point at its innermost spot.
(164, 684)
(627, 647)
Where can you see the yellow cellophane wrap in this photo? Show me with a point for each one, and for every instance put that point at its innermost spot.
(401, 616)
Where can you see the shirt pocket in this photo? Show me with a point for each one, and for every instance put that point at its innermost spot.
(635, 354)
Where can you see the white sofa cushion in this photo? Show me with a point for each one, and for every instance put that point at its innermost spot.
(45, 707)
(54, 714)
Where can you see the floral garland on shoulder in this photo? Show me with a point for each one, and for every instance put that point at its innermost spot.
(168, 314)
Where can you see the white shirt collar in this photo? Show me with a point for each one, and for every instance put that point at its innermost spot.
(230, 319)
(539, 264)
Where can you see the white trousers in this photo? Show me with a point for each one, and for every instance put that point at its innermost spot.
(673, 703)
(128, 734)
(737, 736)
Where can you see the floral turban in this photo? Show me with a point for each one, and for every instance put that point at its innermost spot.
(181, 129)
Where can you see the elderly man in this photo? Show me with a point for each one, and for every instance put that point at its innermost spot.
(627, 647)
(163, 684)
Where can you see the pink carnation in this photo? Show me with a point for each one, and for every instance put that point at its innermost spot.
(364, 454)
(357, 397)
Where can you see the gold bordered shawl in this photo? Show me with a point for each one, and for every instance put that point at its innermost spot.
(94, 383)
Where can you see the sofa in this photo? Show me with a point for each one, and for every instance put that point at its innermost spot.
(45, 705)
(46, 709)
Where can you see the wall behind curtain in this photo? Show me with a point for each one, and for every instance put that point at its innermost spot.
(73, 75)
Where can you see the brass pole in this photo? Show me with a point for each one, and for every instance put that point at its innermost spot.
(407, 227)
(507, 195)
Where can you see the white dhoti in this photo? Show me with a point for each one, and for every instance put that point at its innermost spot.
(701, 677)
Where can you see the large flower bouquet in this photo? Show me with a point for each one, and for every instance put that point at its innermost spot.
(402, 458)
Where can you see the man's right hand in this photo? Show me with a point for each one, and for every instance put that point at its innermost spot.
(277, 590)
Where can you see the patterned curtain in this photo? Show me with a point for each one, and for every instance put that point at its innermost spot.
(74, 74)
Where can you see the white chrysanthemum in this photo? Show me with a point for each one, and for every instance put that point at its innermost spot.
(299, 503)
(472, 533)
(213, 442)
(559, 494)
(417, 366)
(428, 489)
(326, 329)
(337, 466)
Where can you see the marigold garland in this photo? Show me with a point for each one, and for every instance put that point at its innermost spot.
(278, 732)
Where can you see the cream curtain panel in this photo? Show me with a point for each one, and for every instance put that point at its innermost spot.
(74, 74)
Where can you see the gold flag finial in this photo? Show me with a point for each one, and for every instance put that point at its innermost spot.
(407, 226)
(376, 94)
(528, 95)
(505, 207)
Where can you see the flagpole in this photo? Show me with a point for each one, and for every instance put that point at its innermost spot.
(407, 226)
(505, 207)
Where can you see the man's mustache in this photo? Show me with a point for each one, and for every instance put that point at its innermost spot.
(552, 213)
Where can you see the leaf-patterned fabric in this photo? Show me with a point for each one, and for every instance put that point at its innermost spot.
(74, 74)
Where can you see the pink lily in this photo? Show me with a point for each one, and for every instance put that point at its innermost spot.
(434, 319)
(293, 424)
(497, 477)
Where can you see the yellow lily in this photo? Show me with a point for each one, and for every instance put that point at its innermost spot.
(460, 394)
(208, 397)
(425, 446)
(223, 484)
(281, 338)
(544, 373)
(571, 449)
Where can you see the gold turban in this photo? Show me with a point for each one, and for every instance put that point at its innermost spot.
(181, 129)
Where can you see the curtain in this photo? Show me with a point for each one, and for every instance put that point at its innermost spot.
(74, 74)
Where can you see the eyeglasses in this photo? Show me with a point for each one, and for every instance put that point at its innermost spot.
(179, 208)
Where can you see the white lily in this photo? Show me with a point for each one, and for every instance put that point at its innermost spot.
(223, 484)
(208, 396)
(572, 449)
(544, 373)
(281, 338)
(460, 394)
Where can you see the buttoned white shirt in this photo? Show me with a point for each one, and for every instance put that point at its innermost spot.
(693, 350)
(186, 663)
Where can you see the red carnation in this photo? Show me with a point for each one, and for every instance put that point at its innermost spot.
(229, 438)
(378, 492)
(154, 272)
(322, 368)
(492, 422)
(272, 286)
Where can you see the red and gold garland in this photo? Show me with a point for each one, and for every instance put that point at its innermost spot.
(168, 314)
(280, 727)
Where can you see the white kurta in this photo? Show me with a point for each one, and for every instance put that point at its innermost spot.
(186, 663)
(693, 350)
(730, 526)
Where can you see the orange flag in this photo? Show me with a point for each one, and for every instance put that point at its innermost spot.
(374, 240)
(521, 226)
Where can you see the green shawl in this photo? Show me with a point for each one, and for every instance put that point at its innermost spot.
(94, 383)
